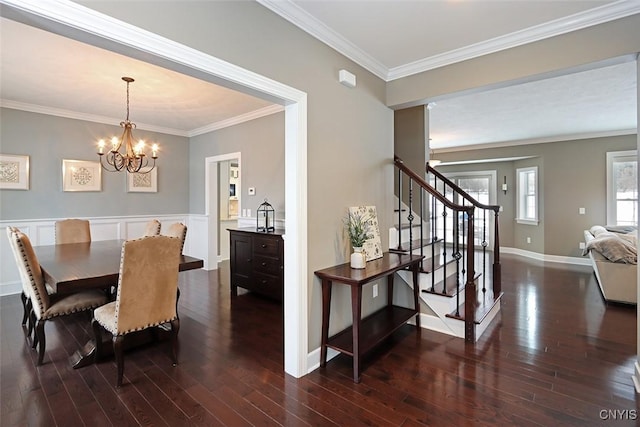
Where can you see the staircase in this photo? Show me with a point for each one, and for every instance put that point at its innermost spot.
(460, 279)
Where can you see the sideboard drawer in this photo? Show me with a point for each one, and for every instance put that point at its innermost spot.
(266, 246)
(267, 265)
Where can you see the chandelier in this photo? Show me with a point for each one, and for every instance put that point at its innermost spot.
(133, 159)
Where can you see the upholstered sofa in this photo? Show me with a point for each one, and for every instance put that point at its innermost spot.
(613, 254)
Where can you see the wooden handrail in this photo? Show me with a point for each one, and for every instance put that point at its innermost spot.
(425, 185)
(495, 208)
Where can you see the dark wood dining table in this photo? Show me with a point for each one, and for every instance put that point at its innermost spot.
(73, 267)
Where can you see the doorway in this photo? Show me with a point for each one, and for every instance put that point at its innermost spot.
(89, 26)
(215, 179)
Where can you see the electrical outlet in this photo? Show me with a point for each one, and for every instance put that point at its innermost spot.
(528, 239)
(375, 290)
(582, 245)
(582, 211)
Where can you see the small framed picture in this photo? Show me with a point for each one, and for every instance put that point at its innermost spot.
(145, 181)
(81, 175)
(14, 172)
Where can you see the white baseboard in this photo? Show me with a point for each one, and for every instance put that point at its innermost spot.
(313, 358)
(546, 258)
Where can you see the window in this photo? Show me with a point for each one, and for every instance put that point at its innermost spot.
(622, 188)
(481, 185)
(527, 194)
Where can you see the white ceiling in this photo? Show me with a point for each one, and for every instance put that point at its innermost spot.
(392, 39)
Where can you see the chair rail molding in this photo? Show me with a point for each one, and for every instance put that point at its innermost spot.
(42, 232)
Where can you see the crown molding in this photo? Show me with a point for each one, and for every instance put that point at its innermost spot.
(578, 21)
(59, 112)
(309, 24)
(543, 140)
(252, 115)
(302, 19)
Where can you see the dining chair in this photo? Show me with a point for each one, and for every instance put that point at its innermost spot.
(24, 295)
(146, 295)
(152, 228)
(179, 230)
(43, 305)
(73, 231)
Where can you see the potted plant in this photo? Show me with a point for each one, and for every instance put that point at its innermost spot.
(357, 227)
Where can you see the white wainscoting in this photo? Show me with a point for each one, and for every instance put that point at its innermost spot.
(42, 232)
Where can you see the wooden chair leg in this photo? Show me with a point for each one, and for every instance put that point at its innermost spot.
(32, 323)
(25, 311)
(175, 327)
(117, 351)
(41, 340)
(97, 336)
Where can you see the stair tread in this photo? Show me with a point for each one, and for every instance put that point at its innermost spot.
(450, 285)
(485, 301)
(415, 245)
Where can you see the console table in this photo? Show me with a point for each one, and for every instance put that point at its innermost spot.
(366, 333)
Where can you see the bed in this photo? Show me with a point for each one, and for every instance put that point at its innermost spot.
(613, 254)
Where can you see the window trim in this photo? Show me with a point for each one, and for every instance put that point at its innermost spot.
(613, 156)
(519, 196)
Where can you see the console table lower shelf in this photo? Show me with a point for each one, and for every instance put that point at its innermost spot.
(365, 334)
(374, 329)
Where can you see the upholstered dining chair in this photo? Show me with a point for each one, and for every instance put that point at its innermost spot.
(152, 228)
(43, 305)
(24, 295)
(73, 231)
(146, 295)
(179, 230)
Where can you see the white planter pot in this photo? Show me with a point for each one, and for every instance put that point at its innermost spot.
(358, 259)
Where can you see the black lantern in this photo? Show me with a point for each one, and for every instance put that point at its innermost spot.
(266, 217)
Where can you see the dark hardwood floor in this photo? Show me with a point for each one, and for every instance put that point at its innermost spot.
(558, 356)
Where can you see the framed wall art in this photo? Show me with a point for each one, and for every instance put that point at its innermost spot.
(14, 172)
(81, 175)
(146, 182)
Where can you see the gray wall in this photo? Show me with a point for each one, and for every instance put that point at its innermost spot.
(261, 143)
(47, 140)
(350, 131)
(572, 174)
(409, 133)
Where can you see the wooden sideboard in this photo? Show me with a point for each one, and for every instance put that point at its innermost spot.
(257, 261)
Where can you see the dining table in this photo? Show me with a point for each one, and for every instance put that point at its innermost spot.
(74, 267)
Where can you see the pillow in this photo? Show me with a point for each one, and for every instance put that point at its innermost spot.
(597, 229)
(622, 228)
(614, 248)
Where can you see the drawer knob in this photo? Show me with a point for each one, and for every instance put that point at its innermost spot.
(264, 245)
(264, 282)
(264, 264)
